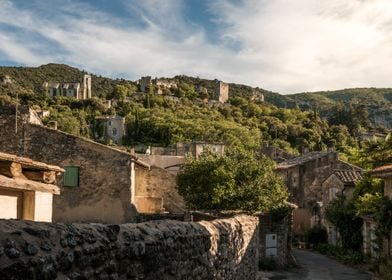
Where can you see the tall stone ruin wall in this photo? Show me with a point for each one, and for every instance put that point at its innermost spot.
(221, 249)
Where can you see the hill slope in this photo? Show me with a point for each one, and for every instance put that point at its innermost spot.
(377, 102)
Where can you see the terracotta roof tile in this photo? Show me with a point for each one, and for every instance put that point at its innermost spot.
(383, 168)
(349, 176)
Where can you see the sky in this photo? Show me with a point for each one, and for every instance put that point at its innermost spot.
(286, 46)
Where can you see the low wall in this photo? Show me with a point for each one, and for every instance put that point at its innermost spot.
(275, 239)
(221, 249)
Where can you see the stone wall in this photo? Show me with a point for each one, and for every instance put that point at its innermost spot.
(158, 183)
(221, 249)
(281, 227)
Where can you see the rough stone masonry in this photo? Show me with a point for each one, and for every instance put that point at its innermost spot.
(220, 249)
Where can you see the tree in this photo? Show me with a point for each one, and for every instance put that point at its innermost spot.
(238, 180)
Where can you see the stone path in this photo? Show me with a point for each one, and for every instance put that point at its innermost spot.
(314, 266)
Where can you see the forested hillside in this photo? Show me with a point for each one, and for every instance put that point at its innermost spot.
(245, 121)
(377, 102)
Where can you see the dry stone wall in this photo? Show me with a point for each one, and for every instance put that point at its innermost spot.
(221, 249)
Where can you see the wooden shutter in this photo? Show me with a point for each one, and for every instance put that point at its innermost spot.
(71, 176)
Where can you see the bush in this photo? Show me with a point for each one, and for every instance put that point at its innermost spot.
(237, 180)
(385, 269)
(315, 236)
(347, 256)
(267, 264)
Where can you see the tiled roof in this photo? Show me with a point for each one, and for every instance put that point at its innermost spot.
(383, 168)
(301, 159)
(383, 171)
(349, 176)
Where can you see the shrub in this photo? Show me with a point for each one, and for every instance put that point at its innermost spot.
(385, 269)
(267, 264)
(347, 256)
(315, 236)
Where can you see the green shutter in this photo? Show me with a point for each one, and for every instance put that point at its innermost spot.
(71, 176)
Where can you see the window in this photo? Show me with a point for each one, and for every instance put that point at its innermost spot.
(333, 193)
(71, 176)
(114, 131)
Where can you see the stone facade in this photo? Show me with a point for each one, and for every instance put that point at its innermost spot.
(156, 188)
(303, 177)
(104, 177)
(221, 91)
(224, 249)
(275, 153)
(110, 129)
(194, 149)
(145, 83)
(76, 89)
(341, 183)
(275, 239)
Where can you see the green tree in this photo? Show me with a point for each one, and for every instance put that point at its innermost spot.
(238, 180)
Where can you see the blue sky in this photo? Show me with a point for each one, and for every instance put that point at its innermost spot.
(281, 45)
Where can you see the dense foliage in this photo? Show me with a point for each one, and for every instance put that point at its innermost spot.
(236, 180)
(342, 214)
(315, 236)
(163, 120)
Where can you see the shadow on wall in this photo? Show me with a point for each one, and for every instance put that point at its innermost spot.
(220, 249)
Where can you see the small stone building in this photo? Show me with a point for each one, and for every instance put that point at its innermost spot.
(110, 129)
(194, 149)
(27, 188)
(79, 90)
(275, 153)
(145, 83)
(341, 183)
(303, 176)
(221, 91)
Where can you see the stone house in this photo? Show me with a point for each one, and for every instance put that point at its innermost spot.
(303, 176)
(370, 244)
(340, 183)
(221, 92)
(275, 153)
(372, 136)
(145, 83)
(99, 184)
(194, 149)
(110, 129)
(27, 188)
(172, 158)
(79, 90)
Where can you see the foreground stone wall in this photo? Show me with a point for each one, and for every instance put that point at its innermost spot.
(221, 249)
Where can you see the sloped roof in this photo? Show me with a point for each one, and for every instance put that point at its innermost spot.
(29, 163)
(349, 176)
(301, 159)
(383, 171)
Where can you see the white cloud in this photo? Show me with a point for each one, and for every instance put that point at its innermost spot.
(286, 46)
(306, 45)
